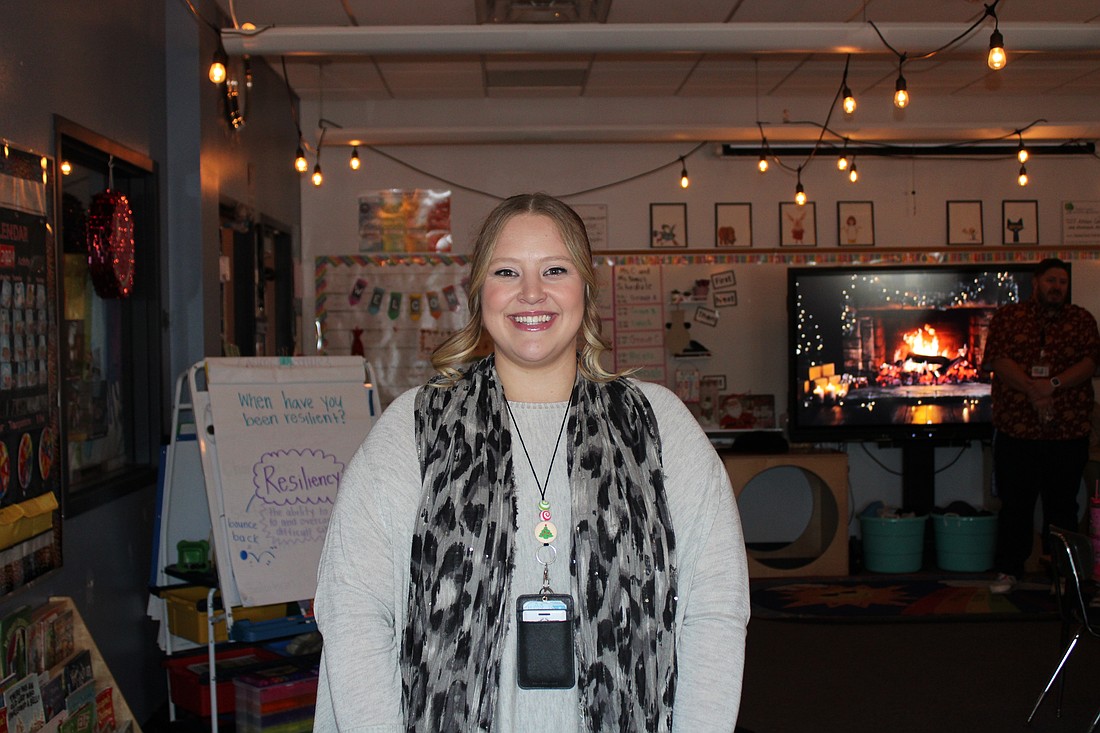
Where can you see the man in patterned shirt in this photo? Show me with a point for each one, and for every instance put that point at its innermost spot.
(1043, 354)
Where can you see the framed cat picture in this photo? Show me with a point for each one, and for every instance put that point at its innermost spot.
(1019, 222)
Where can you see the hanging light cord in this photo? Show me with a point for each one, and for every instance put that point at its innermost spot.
(572, 194)
(990, 10)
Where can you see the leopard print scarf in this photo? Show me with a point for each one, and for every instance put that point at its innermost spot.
(463, 552)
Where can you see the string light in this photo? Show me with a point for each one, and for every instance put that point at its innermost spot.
(901, 94)
(233, 113)
(799, 191)
(317, 177)
(354, 163)
(1022, 178)
(300, 162)
(217, 72)
(684, 180)
(1022, 154)
(762, 164)
(849, 101)
(842, 161)
(853, 174)
(66, 167)
(997, 57)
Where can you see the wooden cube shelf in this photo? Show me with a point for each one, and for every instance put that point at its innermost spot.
(822, 548)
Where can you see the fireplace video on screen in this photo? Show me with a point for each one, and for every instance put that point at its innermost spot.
(882, 353)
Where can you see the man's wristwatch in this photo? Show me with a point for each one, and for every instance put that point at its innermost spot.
(1055, 382)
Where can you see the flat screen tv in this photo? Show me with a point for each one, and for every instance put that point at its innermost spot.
(893, 354)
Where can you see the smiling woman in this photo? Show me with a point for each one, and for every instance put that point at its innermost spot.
(644, 507)
(532, 304)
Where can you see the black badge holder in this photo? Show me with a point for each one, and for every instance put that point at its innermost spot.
(544, 644)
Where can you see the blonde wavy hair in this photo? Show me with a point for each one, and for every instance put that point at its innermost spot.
(456, 352)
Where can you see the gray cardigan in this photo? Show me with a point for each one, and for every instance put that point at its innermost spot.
(363, 579)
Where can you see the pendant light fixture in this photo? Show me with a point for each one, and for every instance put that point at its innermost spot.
(901, 94)
(849, 102)
(799, 191)
(997, 57)
(217, 73)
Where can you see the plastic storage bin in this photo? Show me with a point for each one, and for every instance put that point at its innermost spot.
(187, 613)
(280, 699)
(893, 544)
(965, 544)
(189, 677)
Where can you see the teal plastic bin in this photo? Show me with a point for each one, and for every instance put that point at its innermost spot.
(965, 544)
(893, 544)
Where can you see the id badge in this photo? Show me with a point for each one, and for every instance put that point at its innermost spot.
(544, 642)
(1040, 371)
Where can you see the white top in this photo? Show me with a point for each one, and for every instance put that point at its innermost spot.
(363, 580)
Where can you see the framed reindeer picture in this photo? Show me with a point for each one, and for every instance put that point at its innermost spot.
(797, 224)
(1019, 222)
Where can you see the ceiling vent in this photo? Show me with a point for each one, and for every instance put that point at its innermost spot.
(542, 11)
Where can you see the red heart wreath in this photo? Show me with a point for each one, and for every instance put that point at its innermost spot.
(110, 227)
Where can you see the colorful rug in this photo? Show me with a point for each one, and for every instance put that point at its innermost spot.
(899, 598)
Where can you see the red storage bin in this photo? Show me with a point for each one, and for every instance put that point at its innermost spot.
(189, 680)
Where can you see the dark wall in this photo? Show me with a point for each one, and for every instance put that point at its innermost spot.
(132, 71)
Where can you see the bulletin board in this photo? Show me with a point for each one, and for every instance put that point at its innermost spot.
(393, 310)
(30, 523)
(275, 434)
(709, 327)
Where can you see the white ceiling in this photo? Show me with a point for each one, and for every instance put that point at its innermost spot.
(426, 71)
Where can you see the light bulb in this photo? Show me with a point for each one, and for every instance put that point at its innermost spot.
(1022, 178)
(997, 57)
(317, 178)
(66, 167)
(217, 72)
(853, 174)
(684, 181)
(799, 195)
(762, 164)
(1022, 154)
(849, 101)
(300, 163)
(842, 163)
(901, 94)
(354, 162)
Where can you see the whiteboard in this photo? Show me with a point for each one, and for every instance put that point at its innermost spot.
(275, 435)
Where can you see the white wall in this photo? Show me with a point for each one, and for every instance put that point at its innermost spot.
(909, 207)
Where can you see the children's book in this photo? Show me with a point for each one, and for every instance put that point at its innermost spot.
(53, 693)
(78, 671)
(80, 697)
(81, 720)
(60, 643)
(40, 654)
(24, 703)
(105, 711)
(13, 641)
